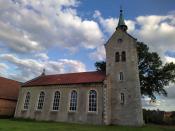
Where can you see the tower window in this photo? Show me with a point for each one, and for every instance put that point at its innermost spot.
(119, 40)
(123, 56)
(121, 76)
(117, 57)
(73, 101)
(122, 98)
(27, 100)
(41, 101)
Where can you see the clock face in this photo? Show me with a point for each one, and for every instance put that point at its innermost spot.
(120, 40)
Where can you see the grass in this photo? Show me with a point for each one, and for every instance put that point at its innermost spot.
(29, 125)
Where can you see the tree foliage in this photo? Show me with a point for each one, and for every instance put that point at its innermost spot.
(154, 75)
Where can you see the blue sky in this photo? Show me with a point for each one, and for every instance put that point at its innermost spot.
(132, 10)
(68, 35)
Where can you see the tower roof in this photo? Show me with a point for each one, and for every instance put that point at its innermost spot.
(121, 22)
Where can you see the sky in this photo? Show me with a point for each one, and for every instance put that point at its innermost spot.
(65, 36)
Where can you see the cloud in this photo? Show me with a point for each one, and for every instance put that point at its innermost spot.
(99, 54)
(171, 91)
(109, 24)
(169, 59)
(42, 56)
(26, 69)
(157, 31)
(32, 26)
(3, 68)
(161, 103)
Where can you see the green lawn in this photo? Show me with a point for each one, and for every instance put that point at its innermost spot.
(23, 125)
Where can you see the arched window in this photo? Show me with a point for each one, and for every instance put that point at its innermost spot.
(73, 101)
(56, 101)
(123, 56)
(27, 100)
(92, 100)
(41, 101)
(122, 97)
(117, 57)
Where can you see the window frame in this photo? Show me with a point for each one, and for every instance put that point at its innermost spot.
(26, 102)
(42, 101)
(58, 101)
(88, 103)
(70, 101)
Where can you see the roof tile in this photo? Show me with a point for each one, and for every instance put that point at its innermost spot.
(9, 88)
(62, 79)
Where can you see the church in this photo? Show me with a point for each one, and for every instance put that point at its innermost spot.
(110, 98)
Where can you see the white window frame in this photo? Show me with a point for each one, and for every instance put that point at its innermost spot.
(39, 99)
(54, 101)
(88, 103)
(27, 101)
(75, 103)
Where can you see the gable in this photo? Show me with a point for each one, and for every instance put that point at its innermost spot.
(119, 34)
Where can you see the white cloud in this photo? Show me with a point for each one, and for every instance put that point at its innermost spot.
(42, 56)
(109, 24)
(157, 31)
(99, 54)
(3, 68)
(169, 59)
(30, 25)
(26, 69)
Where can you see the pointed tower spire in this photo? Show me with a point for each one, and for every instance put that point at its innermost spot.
(121, 22)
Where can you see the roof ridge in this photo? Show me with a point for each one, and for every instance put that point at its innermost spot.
(9, 79)
(73, 73)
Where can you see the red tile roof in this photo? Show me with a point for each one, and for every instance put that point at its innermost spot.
(71, 78)
(9, 89)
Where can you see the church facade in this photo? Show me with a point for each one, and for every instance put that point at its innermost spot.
(90, 97)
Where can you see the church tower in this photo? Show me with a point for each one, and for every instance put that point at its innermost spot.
(122, 94)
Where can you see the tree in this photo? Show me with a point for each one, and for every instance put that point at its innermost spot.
(154, 75)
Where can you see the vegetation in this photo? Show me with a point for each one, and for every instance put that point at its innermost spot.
(17, 125)
(154, 75)
(159, 117)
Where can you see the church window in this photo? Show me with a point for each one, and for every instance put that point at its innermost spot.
(92, 100)
(122, 98)
(73, 101)
(27, 100)
(123, 56)
(41, 101)
(56, 101)
(121, 76)
(117, 57)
